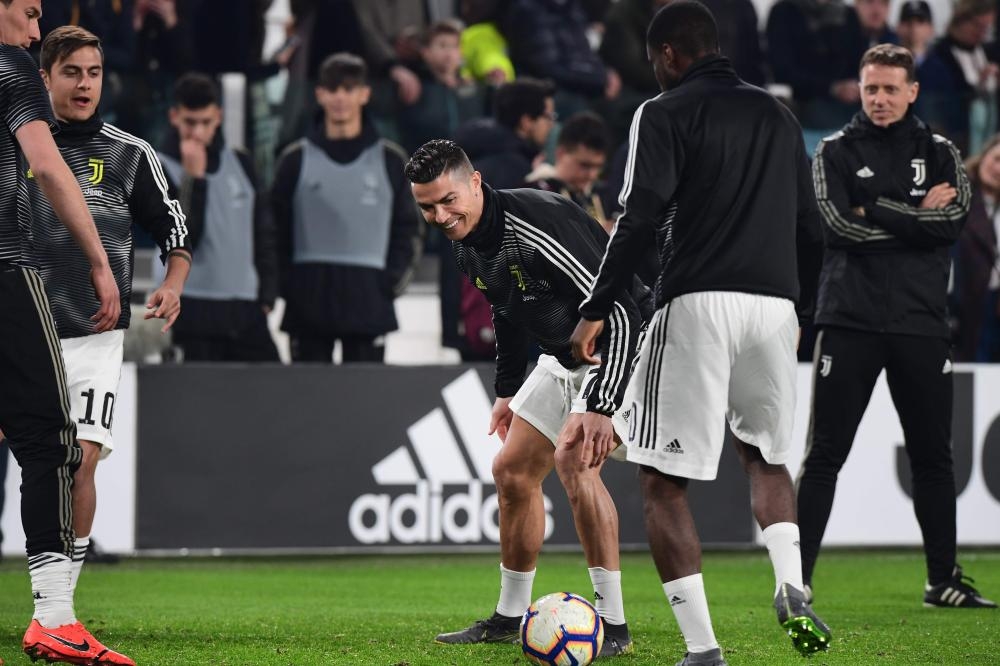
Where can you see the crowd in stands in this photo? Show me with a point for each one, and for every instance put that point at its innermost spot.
(539, 93)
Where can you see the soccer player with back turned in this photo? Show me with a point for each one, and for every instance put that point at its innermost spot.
(717, 172)
(894, 198)
(34, 405)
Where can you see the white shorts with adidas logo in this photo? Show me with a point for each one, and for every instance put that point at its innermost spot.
(706, 356)
(546, 398)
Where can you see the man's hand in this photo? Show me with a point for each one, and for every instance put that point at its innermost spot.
(194, 158)
(593, 433)
(584, 341)
(500, 418)
(164, 303)
(939, 196)
(407, 84)
(106, 290)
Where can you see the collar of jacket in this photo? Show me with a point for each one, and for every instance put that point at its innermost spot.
(488, 234)
(76, 132)
(861, 125)
(345, 151)
(712, 65)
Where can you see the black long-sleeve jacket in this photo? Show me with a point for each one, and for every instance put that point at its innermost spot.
(887, 271)
(717, 172)
(534, 255)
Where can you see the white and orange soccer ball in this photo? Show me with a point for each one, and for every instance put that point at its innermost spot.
(561, 629)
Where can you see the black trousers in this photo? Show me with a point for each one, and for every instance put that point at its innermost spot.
(319, 348)
(918, 370)
(34, 411)
(233, 331)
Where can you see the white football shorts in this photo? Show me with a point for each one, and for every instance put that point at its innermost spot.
(93, 371)
(709, 355)
(546, 399)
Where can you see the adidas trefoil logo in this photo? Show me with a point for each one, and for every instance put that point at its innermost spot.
(430, 468)
(864, 172)
(673, 446)
(676, 600)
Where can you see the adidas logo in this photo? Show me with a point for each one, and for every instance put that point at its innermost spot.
(673, 447)
(947, 367)
(864, 172)
(597, 596)
(480, 284)
(676, 601)
(433, 461)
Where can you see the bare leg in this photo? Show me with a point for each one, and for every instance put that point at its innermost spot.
(85, 489)
(518, 470)
(594, 511)
(772, 496)
(670, 527)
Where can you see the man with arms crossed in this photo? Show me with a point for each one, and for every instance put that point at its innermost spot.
(894, 198)
(717, 173)
(534, 254)
(123, 184)
(34, 404)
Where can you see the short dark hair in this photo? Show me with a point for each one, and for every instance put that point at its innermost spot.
(687, 25)
(435, 158)
(342, 69)
(195, 90)
(63, 42)
(890, 55)
(585, 128)
(522, 97)
(445, 27)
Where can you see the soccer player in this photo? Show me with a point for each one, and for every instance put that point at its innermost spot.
(123, 184)
(534, 254)
(718, 177)
(894, 198)
(34, 404)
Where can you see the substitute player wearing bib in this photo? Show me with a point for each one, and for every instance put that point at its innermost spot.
(123, 184)
(534, 254)
(718, 177)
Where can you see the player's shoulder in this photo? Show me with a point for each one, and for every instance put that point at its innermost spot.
(126, 140)
(14, 59)
(538, 209)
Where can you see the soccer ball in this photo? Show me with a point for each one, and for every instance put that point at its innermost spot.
(561, 629)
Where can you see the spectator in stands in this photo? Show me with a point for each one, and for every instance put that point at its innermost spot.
(624, 45)
(873, 17)
(811, 47)
(446, 99)
(958, 78)
(975, 302)
(916, 28)
(348, 229)
(164, 50)
(505, 148)
(484, 49)
(111, 20)
(233, 280)
(318, 28)
(739, 38)
(581, 151)
(381, 23)
(548, 40)
(243, 24)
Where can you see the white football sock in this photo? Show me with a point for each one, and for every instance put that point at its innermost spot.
(79, 555)
(608, 594)
(515, 591)
(782, 541)
(50, 576)
(687, 600)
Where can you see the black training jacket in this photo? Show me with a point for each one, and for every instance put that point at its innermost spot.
(717, 172)
(534, 255)
(887, 271)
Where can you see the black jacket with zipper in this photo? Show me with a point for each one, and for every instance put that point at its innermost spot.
(887, 270)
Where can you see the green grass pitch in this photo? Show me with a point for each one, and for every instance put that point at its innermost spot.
(386, 610)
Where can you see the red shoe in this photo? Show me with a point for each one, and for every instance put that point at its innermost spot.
(69, 644)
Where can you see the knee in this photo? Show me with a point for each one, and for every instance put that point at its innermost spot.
(91, 454)
(512, 479)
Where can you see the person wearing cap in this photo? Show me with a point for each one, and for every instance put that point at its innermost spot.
(916, 28)
(958, 79)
